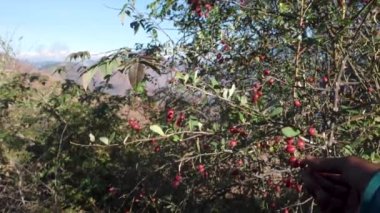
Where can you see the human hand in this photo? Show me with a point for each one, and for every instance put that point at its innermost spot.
(337, 183)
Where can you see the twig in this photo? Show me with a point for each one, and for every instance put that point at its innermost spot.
(20, 185)
(338, 83)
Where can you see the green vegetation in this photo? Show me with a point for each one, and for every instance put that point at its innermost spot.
(265, 84)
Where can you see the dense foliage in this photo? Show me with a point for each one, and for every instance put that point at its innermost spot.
(256, 86)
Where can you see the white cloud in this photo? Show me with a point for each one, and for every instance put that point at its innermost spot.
(54, 52)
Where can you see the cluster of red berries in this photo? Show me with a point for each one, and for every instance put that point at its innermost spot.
(134, 124)
(287, 182)
(291, 149)
(267, 73)
(200, 8)
(170, 115)
(177, 181)
(237, 130)
(256, 92)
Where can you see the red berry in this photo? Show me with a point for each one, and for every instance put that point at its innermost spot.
(157, 148)
(271, 81)
(240, 163)
(288, 182)
(312, 131)
(180, 119)
(292, 160)
(266, 72)
(175, 184)
(134, 124)
(255, 98)
(218, 56)
(170, 115)
(233, 130)
(290, 149)
(297, 103)
(232, 144)
(201, 168)
(289, 141)
(325, 79)
(176, 181)
(300, 144)
(286, 210)
(371, 89)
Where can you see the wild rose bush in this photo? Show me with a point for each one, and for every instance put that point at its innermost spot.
(265, 84)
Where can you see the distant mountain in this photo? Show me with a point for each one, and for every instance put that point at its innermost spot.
(45, 64)
(118, 85)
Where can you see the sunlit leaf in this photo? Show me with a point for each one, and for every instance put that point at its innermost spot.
(104, 140)
(276, 111)
(231, 91)
(157, 129)
(243, 101)
(290, 132)
(92, 137)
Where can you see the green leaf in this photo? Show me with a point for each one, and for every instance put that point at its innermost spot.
(140, 88)
(243, 101)
(276, 111)
(214, 82)
(193, 123)
(284, 8)
(195, 78)
(231, 91)
(290, 132)
(157, 129)
(186, 78)
(241, 117)
(104, 140)
(176, 138)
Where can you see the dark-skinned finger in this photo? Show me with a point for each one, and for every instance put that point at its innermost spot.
(330, 187)
(329, 165)
(309, 183)
(355, 171)
(336, 179)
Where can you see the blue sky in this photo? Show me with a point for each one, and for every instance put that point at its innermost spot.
(51, 29)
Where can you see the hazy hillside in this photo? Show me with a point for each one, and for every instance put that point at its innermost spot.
(118, 84)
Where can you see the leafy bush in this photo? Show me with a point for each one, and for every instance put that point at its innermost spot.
(265, 83)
